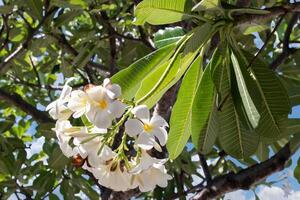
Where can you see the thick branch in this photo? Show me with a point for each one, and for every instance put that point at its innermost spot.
(18, 101)
(245, 178)
(273, 12)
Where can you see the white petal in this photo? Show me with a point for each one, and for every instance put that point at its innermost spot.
(101, 119)
(133, 127)
(98, 130)
(66, 91)
(157, 146)
(117, 108)
(158, 121)
(161, 135)
(113, 91)
(107, 153)
(145, 141)
(96, 93)
(142, 112)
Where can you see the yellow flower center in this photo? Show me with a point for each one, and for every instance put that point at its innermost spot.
(102, 104)
(148, 127)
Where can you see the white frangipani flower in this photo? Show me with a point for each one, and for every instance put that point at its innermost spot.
(149, 178)
(104, 107)
(146, 162)
(147, 129)
(113, 176)
(90, 145)
(79, 103)
(58, 109)
(63, 129)
(90, 151)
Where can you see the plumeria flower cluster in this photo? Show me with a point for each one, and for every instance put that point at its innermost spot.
(111, 137)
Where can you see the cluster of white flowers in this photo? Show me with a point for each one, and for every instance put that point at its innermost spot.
(119, 165)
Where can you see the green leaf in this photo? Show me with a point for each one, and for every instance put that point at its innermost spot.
(205, 5)
(219, 75)
(203, 116)
(180, 122)
(85, 54)
(160, 12)
(57, 159)
(234, 137)
(262, 151)
(130, 78)
(66, 18)
(253, 28)
(167, 36)
(201, 35)
(275, 101)
(44, 181)
(174, 71)
(297, 171)
(36, 8)
(7, 124)
(293, 126)
(243, 78)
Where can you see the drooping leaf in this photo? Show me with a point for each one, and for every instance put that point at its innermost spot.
(275, 101)
(160, 11)
(130, 78)
(203, 116)
(243, 78)
(234, 137)
(262, 151)
(180, 122)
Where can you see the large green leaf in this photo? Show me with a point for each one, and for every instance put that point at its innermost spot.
(166, 76)
(273, 93)
(236, 139)
(130, 78)
(160, 11)
(275, 101)
(203, 118)
(180, 122)
(243, 79)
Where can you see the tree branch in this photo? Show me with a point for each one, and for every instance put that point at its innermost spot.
(205, 168)
(245, 178)
(273, 12)
(19, 102)
(286, 50)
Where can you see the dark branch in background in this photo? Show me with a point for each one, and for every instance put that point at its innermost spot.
(5, 27)
(267, 41)
(245, 178)
(19, 102)
(27, 41)
(205, 168)
(286, 50)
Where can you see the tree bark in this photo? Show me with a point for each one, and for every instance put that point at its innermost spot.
(245, 178)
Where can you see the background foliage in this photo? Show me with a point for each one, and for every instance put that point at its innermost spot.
(45, 41)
